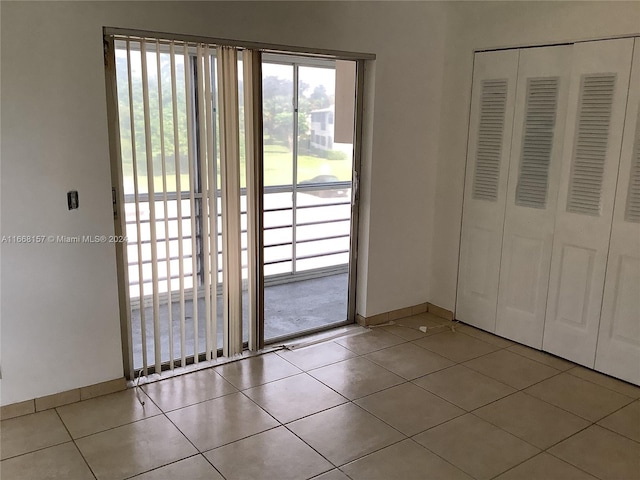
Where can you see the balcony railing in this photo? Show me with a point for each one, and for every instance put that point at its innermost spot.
(306, 235)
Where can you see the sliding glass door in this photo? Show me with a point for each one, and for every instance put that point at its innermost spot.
(232, 173)
(308, 169)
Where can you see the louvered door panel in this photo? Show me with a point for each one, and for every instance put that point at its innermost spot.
(593, 137)
(539, 121)
(536, 155)
(632, 213)
(587, 169)
(618, 351)
(486, 176)
(490, 128)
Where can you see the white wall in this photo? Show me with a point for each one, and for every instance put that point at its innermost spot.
(59, 312)
(481, 25)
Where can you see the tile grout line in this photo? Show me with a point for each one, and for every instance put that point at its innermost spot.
(122, 425)
(545, 450)
(569, 463)
(600, 385)
(567, 370)
(163, 466)
(537, 361)
(568, 411)
(352, 401)
(522, 390)
(349, 401)
(320, 366)
(613, 431)
(471, 411)
(407, 437)
(36, 450)
(233, 441)
(212, 465)
(171, 410)
(75, 444)
(437, 455)
(311, 447)
(403, 341)
(548, 403)
(192, 444)
(537, 455)
(472, 370)
(280, 424)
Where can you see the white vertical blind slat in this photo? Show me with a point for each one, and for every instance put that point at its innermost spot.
(192, 204)
(204, 159)
(164, 206)
(176, 143)
(136, 196)
(227, 61)
(152, 207)
(212, 317)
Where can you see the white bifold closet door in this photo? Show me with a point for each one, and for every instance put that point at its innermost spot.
(618, 351)
(593, 138)
(534, 174)
(491, 122)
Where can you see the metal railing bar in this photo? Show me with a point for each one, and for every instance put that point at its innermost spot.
(266, 210)
(289, 277)
(277, 227)
(322, 222)
(169, 239)
(172, 258)
(275, 262)
(318, 239)
(323, 185)
(160, 279)
(173, 239)
(302, 187)
(280, 209)
(282, 244)
(159, 219)
(144, 197)
(307, 257)
(324, 205)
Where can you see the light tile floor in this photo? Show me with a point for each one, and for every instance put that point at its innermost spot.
(392, 403)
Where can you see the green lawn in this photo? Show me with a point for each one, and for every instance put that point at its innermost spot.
(278, 170)
(278, 166)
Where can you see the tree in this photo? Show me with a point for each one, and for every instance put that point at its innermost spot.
(277, 105)
(319, 98)
(278, 108)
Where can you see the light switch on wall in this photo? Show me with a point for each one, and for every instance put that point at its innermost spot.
(72, 199)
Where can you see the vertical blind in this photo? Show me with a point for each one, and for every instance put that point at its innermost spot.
(180, 146)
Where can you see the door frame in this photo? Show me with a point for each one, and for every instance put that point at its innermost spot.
(118, 200)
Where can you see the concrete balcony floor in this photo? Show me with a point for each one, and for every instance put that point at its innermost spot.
(290, 308)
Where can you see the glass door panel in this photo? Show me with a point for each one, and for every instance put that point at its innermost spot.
(307, 198)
